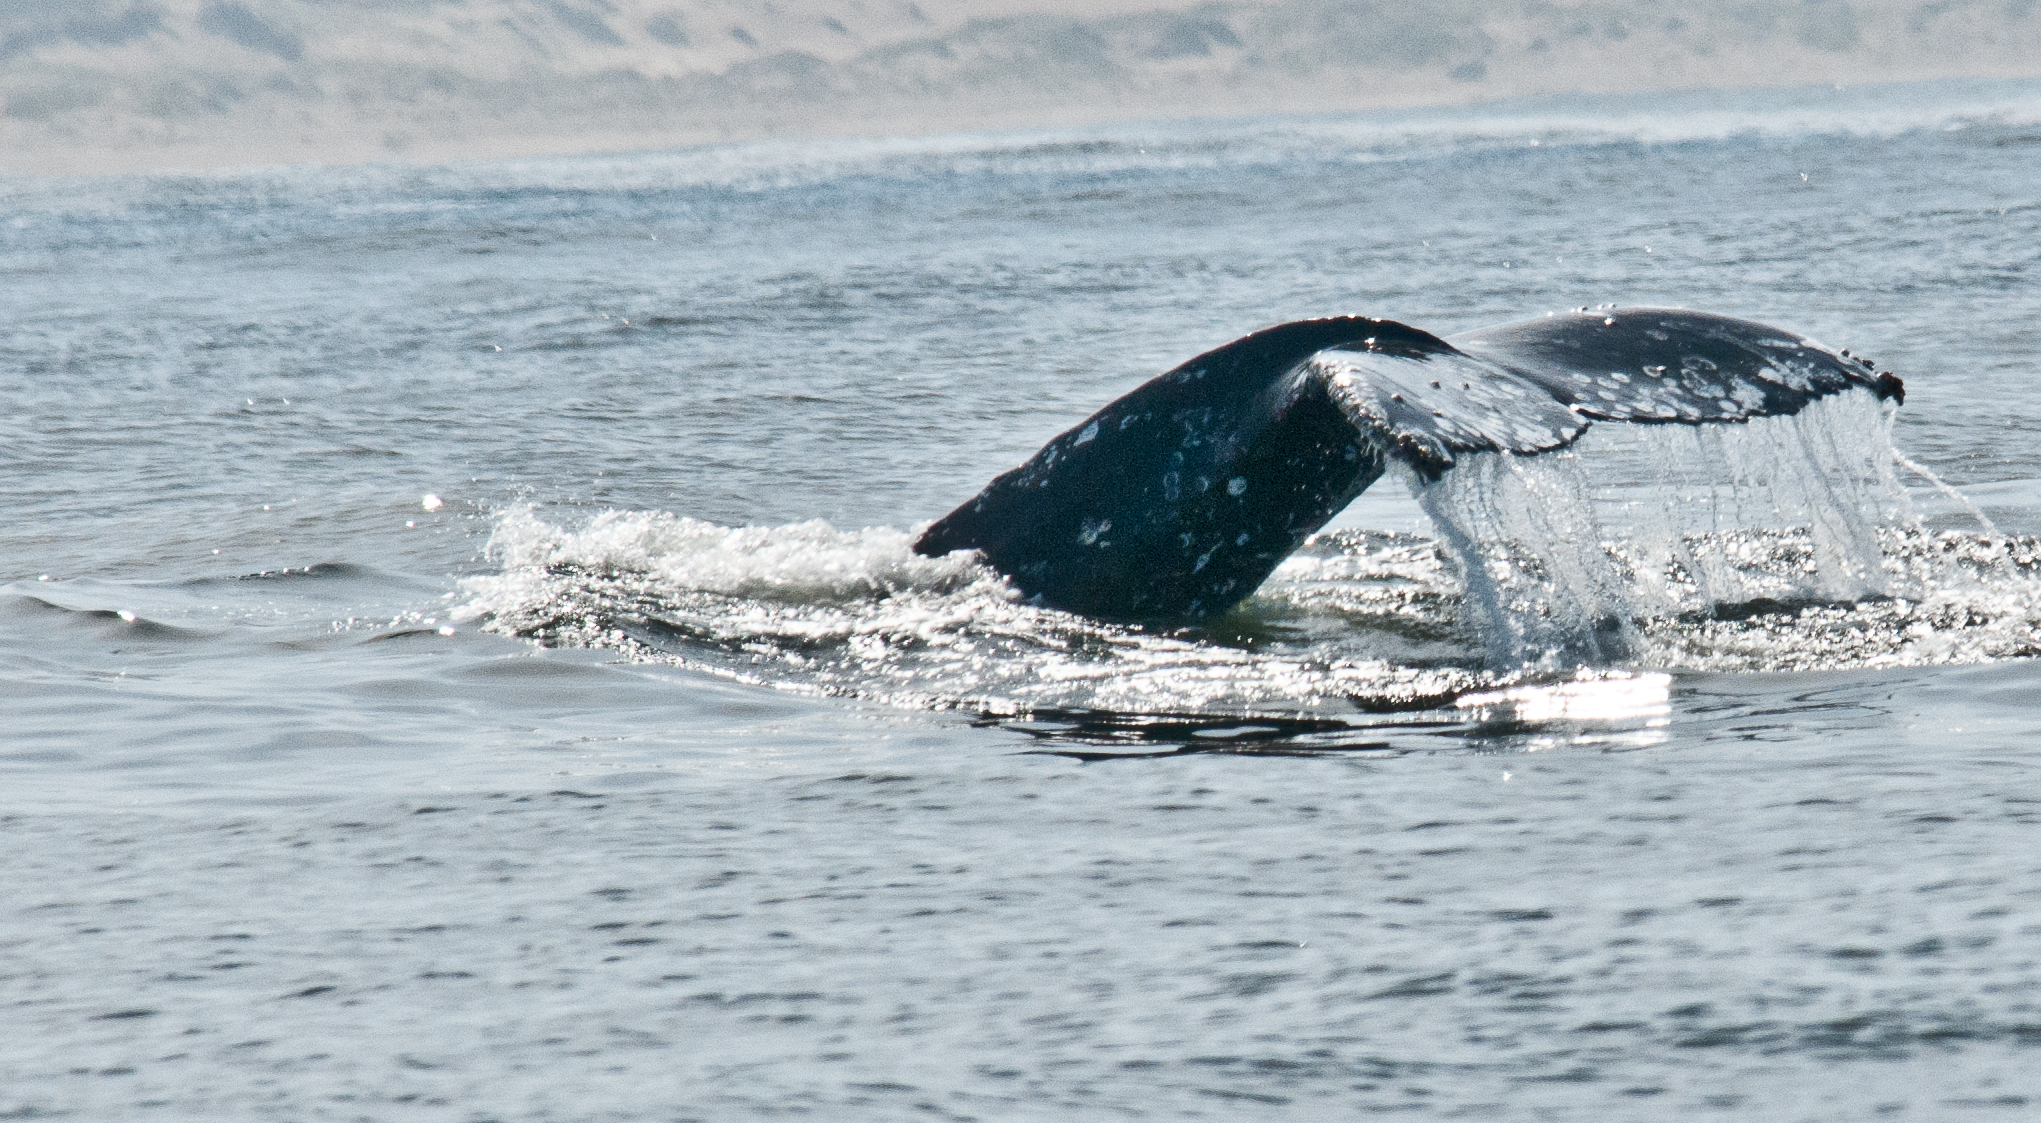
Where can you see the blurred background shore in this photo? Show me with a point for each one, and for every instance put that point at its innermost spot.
(95, 86)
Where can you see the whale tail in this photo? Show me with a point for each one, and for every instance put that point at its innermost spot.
(1176, 501)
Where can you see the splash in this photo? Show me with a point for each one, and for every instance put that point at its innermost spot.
(1961, 598)
(1784, 544)
(810, 608)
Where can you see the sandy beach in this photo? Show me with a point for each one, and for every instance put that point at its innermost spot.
(116, 85)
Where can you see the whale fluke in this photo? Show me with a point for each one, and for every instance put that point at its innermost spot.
(1668, 365)
(1176, 501)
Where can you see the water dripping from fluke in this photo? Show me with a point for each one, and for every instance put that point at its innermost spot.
(1178, 500)
(1566, 559)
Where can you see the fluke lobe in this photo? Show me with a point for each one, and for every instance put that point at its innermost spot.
(1176, 501)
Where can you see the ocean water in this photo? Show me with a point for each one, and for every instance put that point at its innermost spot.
(462, 658)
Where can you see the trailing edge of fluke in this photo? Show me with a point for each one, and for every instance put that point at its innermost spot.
(1176, 501)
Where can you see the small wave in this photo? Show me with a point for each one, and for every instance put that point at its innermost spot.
(1099, 736)
(117, 622)
(318, 571)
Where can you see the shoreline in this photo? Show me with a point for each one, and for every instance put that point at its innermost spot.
(181, 89)
(1879, 107)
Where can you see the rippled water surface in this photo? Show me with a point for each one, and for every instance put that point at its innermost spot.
(463, 658)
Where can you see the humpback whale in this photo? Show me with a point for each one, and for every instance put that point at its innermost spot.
(1174, 502)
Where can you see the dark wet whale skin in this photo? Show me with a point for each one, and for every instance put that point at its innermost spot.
(1136, 512)
(1175, 502)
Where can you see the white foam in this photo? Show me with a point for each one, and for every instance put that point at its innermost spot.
(808, 562)
(808, 607)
